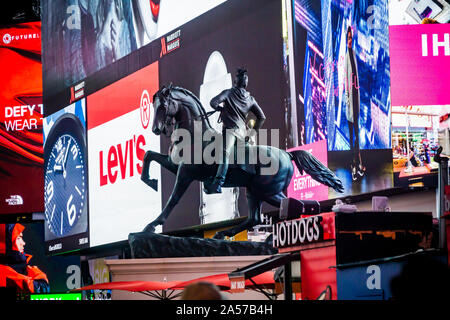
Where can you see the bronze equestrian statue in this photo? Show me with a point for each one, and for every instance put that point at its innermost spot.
(182, 108)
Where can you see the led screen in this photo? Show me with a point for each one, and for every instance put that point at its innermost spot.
(113, 106)
(82, 37)
(417, 133)
(23, 257)
(302, 186)
(21, 109)
(119, 134)
(420, 50)
(107, 98)
(66, 179)
(420, 78)
(342, 88)
(56, 296)
(403, 12)
(205, 63)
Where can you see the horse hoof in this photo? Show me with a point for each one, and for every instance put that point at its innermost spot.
(152, 183)
(269, 239)
(149, 228)
(219, 236)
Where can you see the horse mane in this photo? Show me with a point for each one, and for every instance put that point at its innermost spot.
(197, 100)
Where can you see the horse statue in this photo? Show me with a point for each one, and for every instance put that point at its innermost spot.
(180, 107)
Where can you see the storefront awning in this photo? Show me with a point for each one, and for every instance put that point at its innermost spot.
(167, 290)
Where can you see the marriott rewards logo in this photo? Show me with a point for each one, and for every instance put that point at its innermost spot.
(119, 133)
(9, 38)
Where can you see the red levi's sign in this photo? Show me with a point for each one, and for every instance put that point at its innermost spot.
(119, 133)
(114, 101)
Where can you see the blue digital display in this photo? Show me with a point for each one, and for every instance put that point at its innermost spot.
(321, 83)
(65, 172)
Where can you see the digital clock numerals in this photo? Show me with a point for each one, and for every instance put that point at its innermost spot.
(65, 187)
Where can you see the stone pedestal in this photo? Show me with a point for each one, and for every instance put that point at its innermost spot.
(154, 245)
(178, 269)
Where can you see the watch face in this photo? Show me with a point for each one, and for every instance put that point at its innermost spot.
(65, 179)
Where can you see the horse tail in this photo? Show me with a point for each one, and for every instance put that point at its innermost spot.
(305, 161)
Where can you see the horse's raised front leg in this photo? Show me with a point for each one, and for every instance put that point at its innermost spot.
(182, 182)
(254, 218)
(163, 160)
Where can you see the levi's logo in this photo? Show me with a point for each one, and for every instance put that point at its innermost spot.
(145, 107)
(122, 160)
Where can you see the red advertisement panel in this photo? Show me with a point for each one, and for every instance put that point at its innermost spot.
(317, 273)
(21, 152)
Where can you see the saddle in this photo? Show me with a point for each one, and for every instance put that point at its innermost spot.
(246, 165)
(244, 155)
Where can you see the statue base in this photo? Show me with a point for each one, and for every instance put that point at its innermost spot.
(154, 245)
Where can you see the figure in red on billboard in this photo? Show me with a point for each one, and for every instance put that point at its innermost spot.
(237, 103)
(14, 268)
(353, 103)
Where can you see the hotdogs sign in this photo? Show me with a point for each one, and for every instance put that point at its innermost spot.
(297, 232)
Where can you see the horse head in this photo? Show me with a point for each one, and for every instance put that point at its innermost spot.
(168, 101)
(165, 109)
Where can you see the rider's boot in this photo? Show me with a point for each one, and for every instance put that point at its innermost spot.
(214, 187)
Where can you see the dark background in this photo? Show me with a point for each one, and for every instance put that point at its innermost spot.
(248, 33)
(19, 11)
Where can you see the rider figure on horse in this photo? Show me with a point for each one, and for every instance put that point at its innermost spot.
(236, 104)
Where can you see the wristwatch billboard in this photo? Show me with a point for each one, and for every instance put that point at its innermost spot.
(65, 167)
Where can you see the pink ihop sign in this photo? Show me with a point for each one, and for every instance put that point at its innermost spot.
(302, 186)
(420, 64)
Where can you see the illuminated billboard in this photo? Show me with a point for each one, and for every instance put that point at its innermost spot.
(119, 134)
(113, 108)
(420, 50)
(25, 266)
(302, 186)
(66, 179)
(21, 109)
(83, 37)
(205, 63)
(421, 78)
(341, 90)
(56, 296)
(93, 191)
(417, 133)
